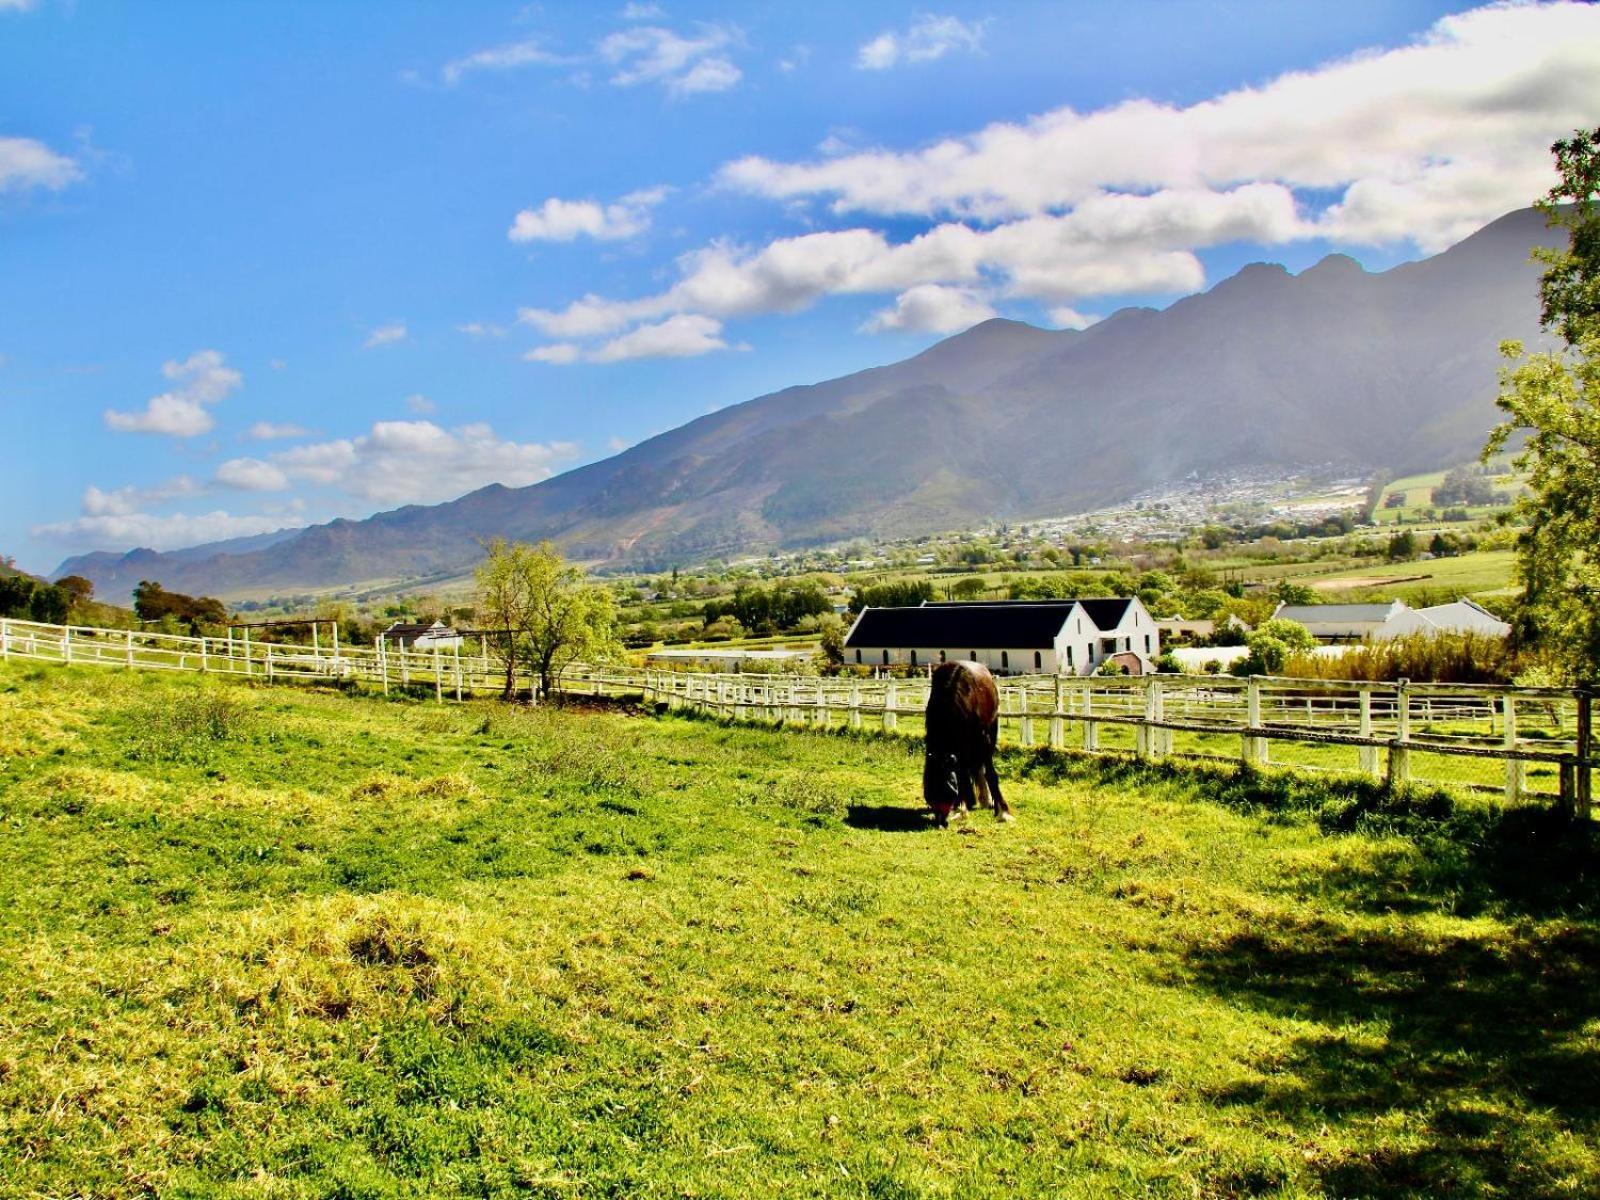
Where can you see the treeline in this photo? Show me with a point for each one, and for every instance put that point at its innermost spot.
(768, 610)
(152, 602)
(907, 593)
(49, 603)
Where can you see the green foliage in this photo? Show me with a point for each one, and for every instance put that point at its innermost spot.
(1437, 658)
(1569, 293)
(1402, 546)
(1465, 485)
(1289, 592)
(152, 602)
(544, 614)
(16, 592)
(905, 593)
(770, 609)
(1270, 644)
(49, 605)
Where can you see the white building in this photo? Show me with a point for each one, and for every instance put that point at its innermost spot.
(727, 658)
(1010, 637)
(1383, 622)
(413, 636)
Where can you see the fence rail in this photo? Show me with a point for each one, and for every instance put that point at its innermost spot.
(1525, 744)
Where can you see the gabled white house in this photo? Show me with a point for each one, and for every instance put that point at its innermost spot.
(1460, 616)
(1010, 637)
(418, 636)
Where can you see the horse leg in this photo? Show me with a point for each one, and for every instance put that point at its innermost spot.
(965, 775)
(1002, 810)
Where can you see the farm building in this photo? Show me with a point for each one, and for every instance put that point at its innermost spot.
(1179, 629)
(1381, 622)
(416, 636)
(1010, 637)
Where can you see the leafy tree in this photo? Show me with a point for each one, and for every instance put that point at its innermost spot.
(551, 617)
(1295, 593)
(968, 588)
(48, 605)
(15, 593)
(1402, 546)
(1554, 400)
(152, 602)
(1271, 644)
(908, 593)
(77, 588)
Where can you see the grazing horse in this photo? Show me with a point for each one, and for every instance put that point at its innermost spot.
(963, 721)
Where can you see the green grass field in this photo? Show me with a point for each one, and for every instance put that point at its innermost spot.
(1479, 572)
(267, 943)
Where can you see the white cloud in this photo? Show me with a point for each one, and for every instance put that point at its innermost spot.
(931, 308)
(682, 65)
(103, 502)
(1427, 141)
(563, 220)
(530, 52)
(927, 39)
(201, 379)
(481, 329)
(267, 431)
(25, 163)
(158, 532)
(421, 405)
(16, 5)
(251, 475)
(418, 462)
(642, 12)
(558, 353)
(683, 336)
(385, 335)
(617, 444)
(1063, 317)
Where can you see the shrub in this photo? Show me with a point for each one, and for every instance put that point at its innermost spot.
(1270, 646)
(1441, 658)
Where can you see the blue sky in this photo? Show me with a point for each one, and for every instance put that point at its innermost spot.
(264, 265)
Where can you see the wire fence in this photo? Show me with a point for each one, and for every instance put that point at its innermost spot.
(1523, 744)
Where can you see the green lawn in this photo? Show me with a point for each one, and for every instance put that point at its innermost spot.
(262, 943)
(1474, 573)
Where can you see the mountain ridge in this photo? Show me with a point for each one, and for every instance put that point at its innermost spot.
(1336, 364)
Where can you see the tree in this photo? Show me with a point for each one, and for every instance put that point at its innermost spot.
(1402, 546)
(545, 615)
(152, 602)
(1271, 644)
(1553, 399)
(15, 593)
(48, 605)
(77, 588)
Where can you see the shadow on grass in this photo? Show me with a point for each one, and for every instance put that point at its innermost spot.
(887, 818)
(1474, 1036)
(1468, 858)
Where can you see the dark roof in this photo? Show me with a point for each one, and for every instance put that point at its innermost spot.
(963, 626)
(406, 631)
(1106, 613)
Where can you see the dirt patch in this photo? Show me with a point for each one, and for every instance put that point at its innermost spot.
(1364, 581)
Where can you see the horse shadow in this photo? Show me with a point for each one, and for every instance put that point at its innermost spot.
(888, 818)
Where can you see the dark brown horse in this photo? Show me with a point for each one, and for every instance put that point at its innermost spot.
(963, 721)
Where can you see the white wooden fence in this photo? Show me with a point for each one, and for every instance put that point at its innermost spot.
(1522, 743)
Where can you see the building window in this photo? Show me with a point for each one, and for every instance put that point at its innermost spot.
(942, 657)
(1038, 660)
(974, 656)
(886, 658)
(1069, 656)
(1147, 643)
(1005, 661)
(858, 656)
(913, 658)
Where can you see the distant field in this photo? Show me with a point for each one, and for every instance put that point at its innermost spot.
(289, 944)
(1418, 490)
(1478, 573)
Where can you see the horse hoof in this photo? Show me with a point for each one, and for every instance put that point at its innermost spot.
(1005, 816)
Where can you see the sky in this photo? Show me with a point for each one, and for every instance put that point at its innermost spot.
(265, 265)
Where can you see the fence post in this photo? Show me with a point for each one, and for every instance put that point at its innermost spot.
(5, 640)
(1515, 771)
(1091, 729)
(127, 648)
(891, 719)
(1025, 715)
(1368, 754)
(458, 659)
(205, 659)
(855, 703)
(1255, 748)
(1399, 755)
(246, 652)
(438, 676)
(66, 645)
(1057, 726)
(1585, 738)
(1142, 731)
(1160, 739)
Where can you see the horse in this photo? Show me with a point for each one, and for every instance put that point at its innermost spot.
(963, 725)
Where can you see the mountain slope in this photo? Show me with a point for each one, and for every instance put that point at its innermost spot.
(1394, 369)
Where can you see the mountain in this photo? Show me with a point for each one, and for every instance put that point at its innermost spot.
(1336, 365)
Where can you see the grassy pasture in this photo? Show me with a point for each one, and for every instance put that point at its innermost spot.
(266, 943)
